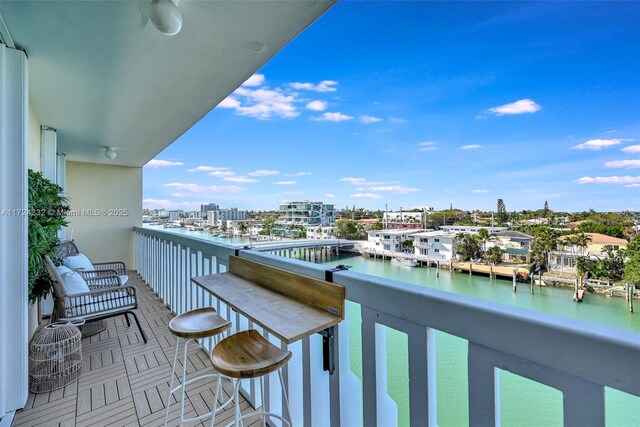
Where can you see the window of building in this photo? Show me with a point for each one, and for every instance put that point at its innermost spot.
(436, 240)
(436, 250)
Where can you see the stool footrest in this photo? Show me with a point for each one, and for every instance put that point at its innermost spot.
(192, 380)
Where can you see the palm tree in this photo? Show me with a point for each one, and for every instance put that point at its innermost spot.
(242, 227)
(577, 244)
(483, 235)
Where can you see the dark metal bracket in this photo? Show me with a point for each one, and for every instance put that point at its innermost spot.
(328, 274)
(328, 348)
(328, 356)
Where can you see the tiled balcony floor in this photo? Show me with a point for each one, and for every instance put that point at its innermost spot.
(125, 382)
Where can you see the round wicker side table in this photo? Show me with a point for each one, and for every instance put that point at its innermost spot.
(55, 357)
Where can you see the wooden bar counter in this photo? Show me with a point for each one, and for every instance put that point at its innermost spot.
(288, 305)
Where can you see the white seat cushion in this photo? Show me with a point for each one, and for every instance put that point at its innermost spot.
(76, 262)
(123, 279)
(72, 282)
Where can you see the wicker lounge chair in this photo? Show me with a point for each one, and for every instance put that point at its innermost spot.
(107, 297)
(68, 248)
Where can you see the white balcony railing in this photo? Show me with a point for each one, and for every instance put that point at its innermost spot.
(538, 346)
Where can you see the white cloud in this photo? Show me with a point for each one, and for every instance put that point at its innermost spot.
(632, 149)
(323, 86)
(285, 182)
(633, 185)
(471, 147)
(551, 196)
(628, 164)
(198, 188)
(263, 172)
(529, 191)
(332, 117)
(239, 179)
(369, 119)
(155, 201)
(394, 188)
(316, 105)
(222, 173)
(330, 196)
(366, 196)
(168, 204)
(299, 174)
(427, 146)
(398, 120)
(352, 180)
(521, 106)
(480, 190)
(155, 164)
(261, 103)
(207, 169)
(229, 102)
(255, 80)
(597, 144)
(180, 195)
(481, 117)
(609, 180)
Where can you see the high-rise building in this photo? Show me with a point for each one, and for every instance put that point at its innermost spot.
(218, 216)
(303, 213)
(209, 207)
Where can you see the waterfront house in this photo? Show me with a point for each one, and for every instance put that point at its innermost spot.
(321, 232)
(86, 79)
(471, 229)
(386, 242)
(435, 245)
(404, 219)
(515, 245)
(565, 258)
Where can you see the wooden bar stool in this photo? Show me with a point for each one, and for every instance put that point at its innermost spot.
(191, 325)
(248, 354)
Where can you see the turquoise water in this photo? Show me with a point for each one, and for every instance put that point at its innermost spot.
(523, 402)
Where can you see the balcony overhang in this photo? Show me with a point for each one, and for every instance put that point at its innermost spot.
(101, 77)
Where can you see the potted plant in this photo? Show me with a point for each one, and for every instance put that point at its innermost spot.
(47, 215)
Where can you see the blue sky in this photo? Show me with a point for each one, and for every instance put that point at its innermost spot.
(416, 104)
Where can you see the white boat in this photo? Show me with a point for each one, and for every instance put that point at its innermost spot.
(405, 262)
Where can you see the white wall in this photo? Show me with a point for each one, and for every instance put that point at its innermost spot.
(108, 191)
(14, 117)
(34, 140)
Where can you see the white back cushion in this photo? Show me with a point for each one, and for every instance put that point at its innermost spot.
(73, 283)
(78, 261)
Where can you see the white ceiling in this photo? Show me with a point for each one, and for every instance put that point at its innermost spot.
(102, 79)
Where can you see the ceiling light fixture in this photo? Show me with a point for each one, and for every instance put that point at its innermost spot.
(110, 153)
(165, 16)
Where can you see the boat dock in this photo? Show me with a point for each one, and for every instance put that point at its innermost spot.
(497, 271)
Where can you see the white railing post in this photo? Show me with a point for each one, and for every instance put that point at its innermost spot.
(369, 368)
(484, 388)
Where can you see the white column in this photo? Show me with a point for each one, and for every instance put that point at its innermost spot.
(48, 153)
(14, 105)
(61, 180)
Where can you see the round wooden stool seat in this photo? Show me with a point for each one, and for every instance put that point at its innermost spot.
(198, 323)
(247, 354)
